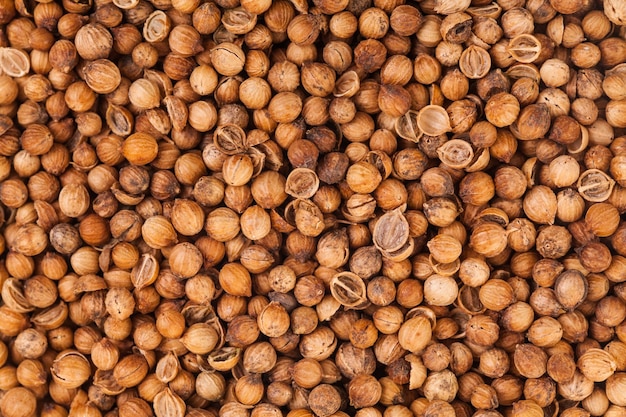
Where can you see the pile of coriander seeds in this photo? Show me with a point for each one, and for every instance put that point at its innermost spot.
(312, 208)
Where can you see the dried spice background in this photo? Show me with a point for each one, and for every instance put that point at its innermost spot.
(334, 208)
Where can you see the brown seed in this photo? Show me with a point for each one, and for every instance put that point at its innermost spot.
(364, 391)
(415, 334)
(571, 288)
(596, 364)
(140, 148)
(482, 330)
(18, 402)
(526, 408)
(70, 369)
(440, 290)
(502, 109)
(475, 62)
(324, 400)
(530, 360)
(168, 404)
